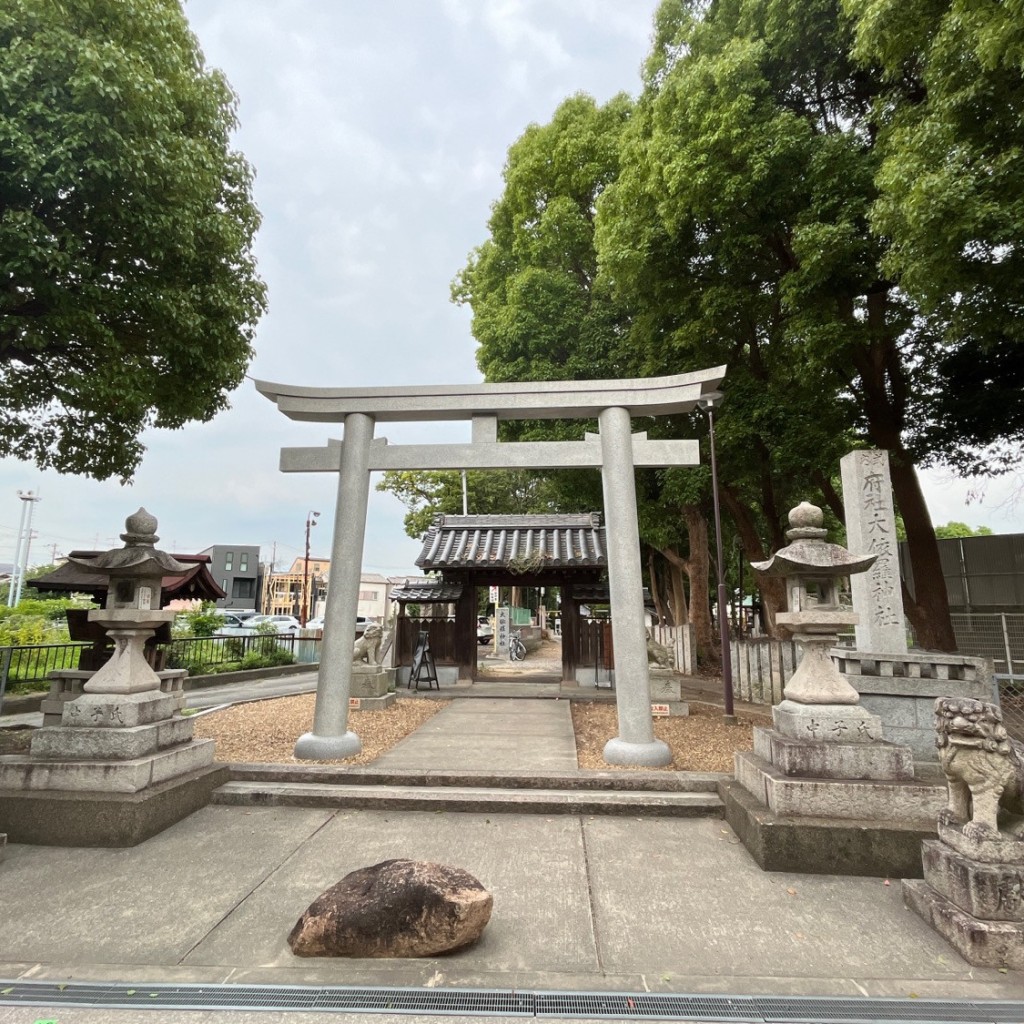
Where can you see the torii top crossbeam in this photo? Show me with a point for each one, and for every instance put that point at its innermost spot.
(552, 399)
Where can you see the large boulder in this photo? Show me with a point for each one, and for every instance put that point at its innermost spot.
(398, 908)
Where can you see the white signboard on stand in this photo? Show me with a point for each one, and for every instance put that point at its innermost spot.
(502, 628)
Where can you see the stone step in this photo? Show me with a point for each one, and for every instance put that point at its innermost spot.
(633, 781)
(638, 803)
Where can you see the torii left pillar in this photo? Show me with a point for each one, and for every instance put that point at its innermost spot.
(331, 738)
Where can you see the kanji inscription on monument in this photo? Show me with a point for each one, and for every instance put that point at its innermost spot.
(871, 528)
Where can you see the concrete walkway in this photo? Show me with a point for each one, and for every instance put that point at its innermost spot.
(588, 903)
(490, 734)
(591, 904)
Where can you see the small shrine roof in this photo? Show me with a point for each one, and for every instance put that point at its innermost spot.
(598, 593)
(195, 584)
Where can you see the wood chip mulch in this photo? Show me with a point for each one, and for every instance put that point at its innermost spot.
(700, 741)
(266, 730)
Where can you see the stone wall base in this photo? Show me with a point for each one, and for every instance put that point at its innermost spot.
(822, 846)
(372, 703)
(982, 943)
(61, 818)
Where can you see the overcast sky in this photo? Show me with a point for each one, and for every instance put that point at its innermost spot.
(378, 132)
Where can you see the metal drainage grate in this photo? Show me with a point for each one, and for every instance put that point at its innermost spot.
(510, 1003)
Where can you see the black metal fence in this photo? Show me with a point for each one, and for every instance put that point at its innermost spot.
(213, 651)
(33, 663)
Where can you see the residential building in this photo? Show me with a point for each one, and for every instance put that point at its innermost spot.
(236, 567)
(374, 595)
(286, 590)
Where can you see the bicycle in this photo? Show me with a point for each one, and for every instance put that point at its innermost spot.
(516, 647)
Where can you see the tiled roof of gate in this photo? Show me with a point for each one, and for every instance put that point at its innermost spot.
(431, 592)
(537, 543)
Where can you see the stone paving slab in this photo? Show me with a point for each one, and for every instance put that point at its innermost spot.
(547, 921)
(490, 734)
(148, 904)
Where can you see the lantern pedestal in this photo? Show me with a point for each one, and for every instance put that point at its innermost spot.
(127, 671)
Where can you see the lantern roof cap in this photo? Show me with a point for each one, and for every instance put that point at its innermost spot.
(139, 556)
(810, 554)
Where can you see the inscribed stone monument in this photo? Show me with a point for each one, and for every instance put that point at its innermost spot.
(871, 529)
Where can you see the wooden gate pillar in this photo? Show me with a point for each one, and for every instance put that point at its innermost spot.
(465, 633)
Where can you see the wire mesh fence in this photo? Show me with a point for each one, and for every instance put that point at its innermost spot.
(999, 636)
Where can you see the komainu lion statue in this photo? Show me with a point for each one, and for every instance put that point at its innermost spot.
(659, 654)
(367, 648)
(983, 766)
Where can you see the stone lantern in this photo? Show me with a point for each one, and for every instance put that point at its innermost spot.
(132, 612)
(822, 791)
(812, 569)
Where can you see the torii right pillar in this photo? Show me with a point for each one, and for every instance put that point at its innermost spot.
(635, 744)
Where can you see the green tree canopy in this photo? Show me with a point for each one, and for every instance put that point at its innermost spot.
(948, 531)
(427, 494)
(128, 290)
(951, 203)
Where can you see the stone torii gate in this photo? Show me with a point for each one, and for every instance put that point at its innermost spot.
(615, 450)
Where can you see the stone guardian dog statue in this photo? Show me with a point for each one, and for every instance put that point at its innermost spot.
(983, 767)
(367, 647)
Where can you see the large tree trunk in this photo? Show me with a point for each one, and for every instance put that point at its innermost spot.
(929, 611)
(772, 589)
(652, 574)
(680, 610)
(697, 567)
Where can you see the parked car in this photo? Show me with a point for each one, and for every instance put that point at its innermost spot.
(484, 630)
(281, 623)
(361, 623)
(233, 625)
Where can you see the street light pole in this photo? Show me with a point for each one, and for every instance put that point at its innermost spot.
(311, 519)
(707, 403)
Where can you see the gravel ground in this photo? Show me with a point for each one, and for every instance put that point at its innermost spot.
(266, 730)
(700, 741)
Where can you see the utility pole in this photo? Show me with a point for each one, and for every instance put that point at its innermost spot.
(311, 519)
(17, 556)
(268, 583)
(29, 500)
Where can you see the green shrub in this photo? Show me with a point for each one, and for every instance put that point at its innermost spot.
(205, 621)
